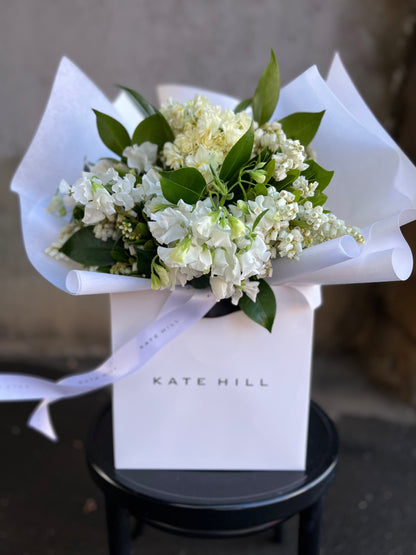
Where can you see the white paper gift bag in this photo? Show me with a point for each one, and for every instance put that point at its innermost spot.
(224, 395)
(218, 393)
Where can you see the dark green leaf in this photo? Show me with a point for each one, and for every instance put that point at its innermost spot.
(119, 253)
(267, 93)
(112, 133)
(263, 311)
(243, 105)
(144, 261)
(154, 129)
(85, 248)
(316, 173)
(238, 155)
(302, 125)
(187, 184)
(142, 104)
(201, 282)
(78, 212)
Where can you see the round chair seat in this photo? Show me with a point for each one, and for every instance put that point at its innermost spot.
(215, 503)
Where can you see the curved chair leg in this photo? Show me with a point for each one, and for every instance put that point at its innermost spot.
(310, 529)
(118, 528)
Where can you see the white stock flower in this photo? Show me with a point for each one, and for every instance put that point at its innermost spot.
(169, 225)
(99, 208)
(125, 194)
(254, 260)
(141, 157)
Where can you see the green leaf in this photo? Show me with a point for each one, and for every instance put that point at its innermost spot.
(112, 133)
(260, 189)
(187, 184)
(319, 199)
(85, 248)
(154, 129)
(291, 176)
(144, 261)
(243, 105)
(315, 172)
(267, 93)
(269, 169)
(302, 125)
(141, 103)
(263, 311)
(119, 253)
(238, 155)
(297, 193)
(259, 217)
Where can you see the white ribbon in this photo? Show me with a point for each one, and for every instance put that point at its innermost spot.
(182, 309)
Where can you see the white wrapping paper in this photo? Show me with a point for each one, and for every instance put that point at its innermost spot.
(373, 187)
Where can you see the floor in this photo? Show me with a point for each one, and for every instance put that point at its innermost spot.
(50, 506)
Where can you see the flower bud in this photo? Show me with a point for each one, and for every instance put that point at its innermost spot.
(155, 281)
(164, 279)
(181, 250)
(237, 227)
(259, 176)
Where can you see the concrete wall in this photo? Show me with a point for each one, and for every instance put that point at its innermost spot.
(218, 44)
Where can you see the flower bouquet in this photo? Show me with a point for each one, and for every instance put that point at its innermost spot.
(201, 201)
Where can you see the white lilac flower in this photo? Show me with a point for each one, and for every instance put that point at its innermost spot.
(290, 243)
(105, 231)
(307, 189)
(65, 192)
(141, 157)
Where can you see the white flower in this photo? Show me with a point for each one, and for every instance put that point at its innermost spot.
(150, 185)
(251, 289)
(125, 194)
(81, 190)
(99, 208)
(105, 231)
(221, 288)
(102, 166)
(141, 157)
(302, 184)
(253, 260)
(169, 225)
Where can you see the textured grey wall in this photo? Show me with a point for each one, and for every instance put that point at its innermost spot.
(218, 44)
